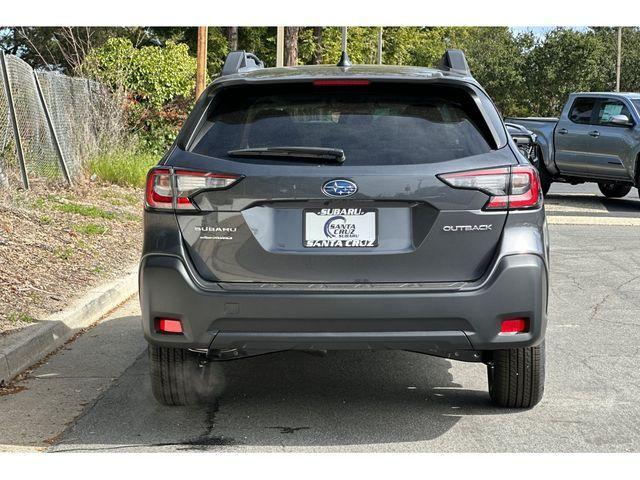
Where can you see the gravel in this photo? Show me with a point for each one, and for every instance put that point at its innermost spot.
(57, 243)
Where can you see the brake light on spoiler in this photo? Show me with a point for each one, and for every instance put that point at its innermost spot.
(341, 83)
(165, 185)
(509, 188)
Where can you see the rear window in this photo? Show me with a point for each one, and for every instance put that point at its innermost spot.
(373, 124)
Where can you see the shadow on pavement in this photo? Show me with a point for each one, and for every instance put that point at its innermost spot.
(289, 399)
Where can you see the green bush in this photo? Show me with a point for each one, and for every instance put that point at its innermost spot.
(159, 82)
(123, 168)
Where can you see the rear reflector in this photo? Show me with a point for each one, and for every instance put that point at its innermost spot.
(340, 83)
(168, 325)
(514, 325)
(509, 188)
(164, 184)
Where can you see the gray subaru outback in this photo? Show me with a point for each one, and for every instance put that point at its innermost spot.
(323, 207)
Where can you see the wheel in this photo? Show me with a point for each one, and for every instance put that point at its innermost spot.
(614, 190)
(545, 177)
(179, 377)
(516, 376)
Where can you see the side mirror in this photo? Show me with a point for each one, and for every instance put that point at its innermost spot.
(621, 120)
(521, 140)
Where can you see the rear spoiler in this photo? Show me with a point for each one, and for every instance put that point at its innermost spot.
(240, 61)
(454, 60)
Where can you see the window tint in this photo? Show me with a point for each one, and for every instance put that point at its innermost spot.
(637, 104)
(609, 108)
(374, 125)
(582, 110)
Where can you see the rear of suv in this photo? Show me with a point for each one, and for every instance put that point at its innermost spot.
(344, 207)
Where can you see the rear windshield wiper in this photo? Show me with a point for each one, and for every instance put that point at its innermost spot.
(334, 155)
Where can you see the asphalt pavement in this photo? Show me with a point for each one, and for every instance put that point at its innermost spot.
(95, 395)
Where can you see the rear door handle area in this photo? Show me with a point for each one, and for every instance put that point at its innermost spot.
(563, 131)
(594, 134)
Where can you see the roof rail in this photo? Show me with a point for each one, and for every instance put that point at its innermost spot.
(455, 61)
(240, 61)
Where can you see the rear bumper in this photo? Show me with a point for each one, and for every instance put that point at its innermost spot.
(459, 322)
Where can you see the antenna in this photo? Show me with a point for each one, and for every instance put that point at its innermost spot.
(344, 58)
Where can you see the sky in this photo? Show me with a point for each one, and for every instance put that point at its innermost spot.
(538, 31)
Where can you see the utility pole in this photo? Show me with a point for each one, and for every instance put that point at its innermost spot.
(619, 63)
(201, 61)
(380, 46)
(279, 46)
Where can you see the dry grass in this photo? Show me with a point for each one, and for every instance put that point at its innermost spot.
(55, 244)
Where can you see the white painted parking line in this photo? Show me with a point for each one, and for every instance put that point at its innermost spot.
(577, 220)
(563, 194)
(574, 205)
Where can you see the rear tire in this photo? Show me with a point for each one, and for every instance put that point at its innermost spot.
(516, 376)
(614, 190)
(180, 377)
(545, 177)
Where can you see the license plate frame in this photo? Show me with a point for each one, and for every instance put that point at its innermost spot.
(343, 239)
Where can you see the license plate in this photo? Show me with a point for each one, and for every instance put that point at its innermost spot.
(340, 228)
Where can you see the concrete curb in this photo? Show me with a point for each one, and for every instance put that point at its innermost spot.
(21, 350)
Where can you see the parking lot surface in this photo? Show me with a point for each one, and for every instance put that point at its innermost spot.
(95, 394)
(584, 205)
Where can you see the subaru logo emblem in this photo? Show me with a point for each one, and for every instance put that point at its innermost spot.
(339, 188)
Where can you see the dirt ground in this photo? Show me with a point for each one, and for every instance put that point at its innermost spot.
(57, 243)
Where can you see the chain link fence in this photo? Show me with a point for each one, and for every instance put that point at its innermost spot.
(5, 135)
(60, 123)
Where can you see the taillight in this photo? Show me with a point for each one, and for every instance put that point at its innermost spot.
(159, 189)
(509, 188)
(163, 185)
(189, 182)
(525, 188)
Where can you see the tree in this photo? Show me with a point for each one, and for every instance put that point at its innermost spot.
(217, 43)
(291, 46)
(159, 82)
(524, 74)
(232, 35)
(565, 61)
(317, 36)
(497, 60)
(64, 48)
(261, 41)
(630, 77)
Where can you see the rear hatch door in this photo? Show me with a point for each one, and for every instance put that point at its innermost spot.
(381, 216)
